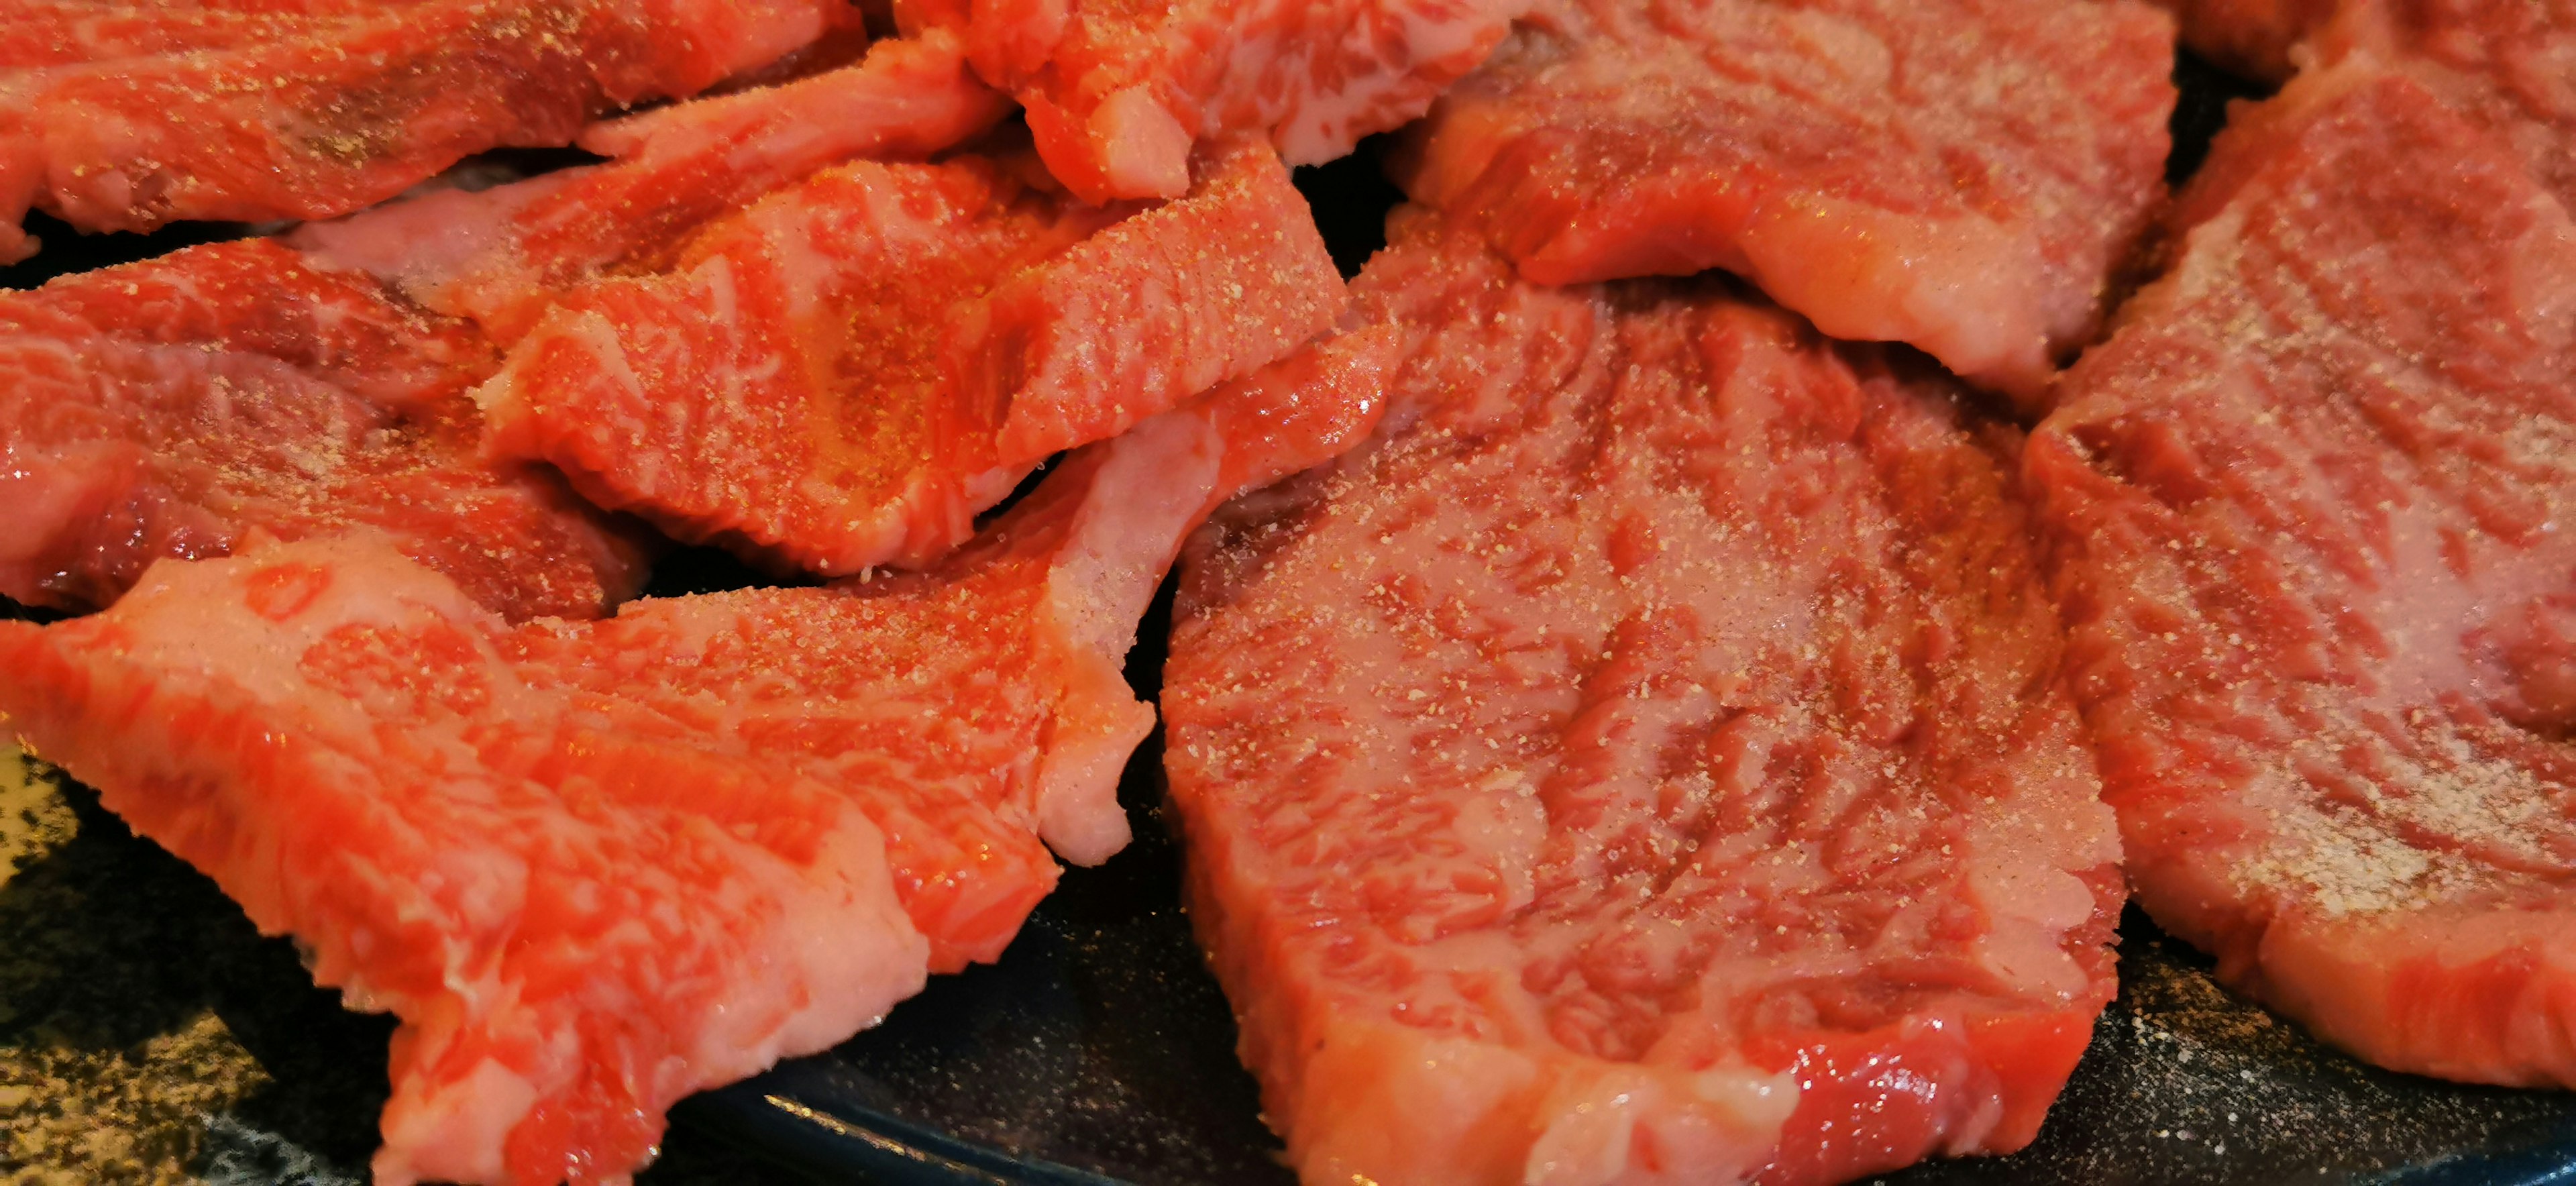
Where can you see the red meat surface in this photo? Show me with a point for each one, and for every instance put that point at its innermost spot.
(1966, 176)
(845, 373)
(1643, 761)
(182, 406)
(2507, 65)
(595, 866)
(1117, 93)
(2307, 512)
(501, 256)
(140, 115)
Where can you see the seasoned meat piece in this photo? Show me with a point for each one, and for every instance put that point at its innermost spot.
(1644, 761)
(593, 867)
(1966, 176)
(1117, 93)
(126, 122)
(847, 372)
(186, 405)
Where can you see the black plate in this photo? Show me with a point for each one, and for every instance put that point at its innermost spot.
(1099, 1052)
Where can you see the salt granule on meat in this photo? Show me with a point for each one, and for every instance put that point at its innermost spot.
(596, 866)
(126, 116)
(501, 256)
(1966, 176)
(1118, 94)
(846, 372)
(186, 405)
(1644, 760)
(2307, 518)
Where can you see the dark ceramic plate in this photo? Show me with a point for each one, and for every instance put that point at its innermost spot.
(1099, 1051)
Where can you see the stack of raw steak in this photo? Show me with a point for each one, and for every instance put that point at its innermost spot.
(1650, 717)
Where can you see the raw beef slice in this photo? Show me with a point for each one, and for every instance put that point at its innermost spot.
(594, 867)
(312, 111)
(845, 373)
(2308, 514)
(1117, 93)
(501, 256)
(182, 406)
(1966, 176)
(2515, 54)
(1644, 761)
(2507, 65)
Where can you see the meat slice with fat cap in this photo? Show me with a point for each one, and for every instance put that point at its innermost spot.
(1643, 761)
(317, 110)
(847, 372)
(186, 405)
(596, 866)
(1965, 176)
(2307, 515)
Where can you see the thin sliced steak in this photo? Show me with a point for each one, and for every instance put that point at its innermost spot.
(1644, 761)
(2307, 514)
(594, 867)
(352, 108)
(1966, 176)
(1117, 93)
(181, 406)
(500, 256)
(844, 374)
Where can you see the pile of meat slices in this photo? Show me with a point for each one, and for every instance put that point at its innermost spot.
(1672, 682)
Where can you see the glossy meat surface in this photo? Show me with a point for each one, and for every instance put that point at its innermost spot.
(137, 115)
(596, 866)
(182, 406)
(1118, 93)
(2307, 514)
(1644, 761)
(1966, 176)
(845, 373)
